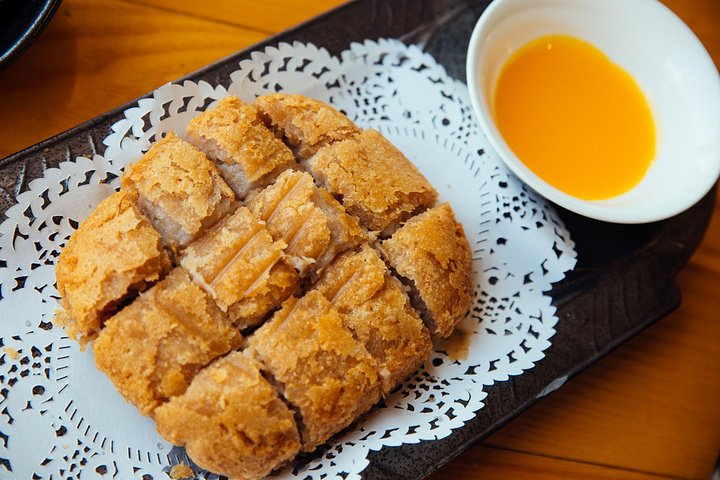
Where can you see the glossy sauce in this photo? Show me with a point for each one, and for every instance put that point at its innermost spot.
(574, 118)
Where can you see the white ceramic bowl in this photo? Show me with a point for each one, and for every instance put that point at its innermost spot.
(672, 68)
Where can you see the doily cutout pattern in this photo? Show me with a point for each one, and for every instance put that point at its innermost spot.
(53, 398)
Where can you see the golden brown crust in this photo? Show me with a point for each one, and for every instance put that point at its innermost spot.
(231, 421)
(375, 181)
(353, 278)
(307, 124)
(153, 348)
(233, 133)
(378, 312)
(242, 268)
(292, 218)
(113, 254)
(179, 190)
(431, 250)
(345, 229)
(313, 225)
(322, 370)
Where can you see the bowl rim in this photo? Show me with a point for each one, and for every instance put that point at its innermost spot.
(597, 209)
(29, 35)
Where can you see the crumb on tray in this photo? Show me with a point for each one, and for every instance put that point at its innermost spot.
(12, 353)
(181, 471)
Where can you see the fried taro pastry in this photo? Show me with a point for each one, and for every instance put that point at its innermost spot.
(431, 254)
(114, 254)
(305, 123)
(320, 369)
(309, 220)
(179, 190)
(231, 420)
(242, 268)
(378, 311)
(153, 348)
(373, 180)
(246, 152)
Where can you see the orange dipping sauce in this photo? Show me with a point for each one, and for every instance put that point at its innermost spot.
(576, 119)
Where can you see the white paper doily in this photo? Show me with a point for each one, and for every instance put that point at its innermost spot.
(60, 418)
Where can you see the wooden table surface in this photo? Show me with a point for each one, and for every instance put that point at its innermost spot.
(649, 410)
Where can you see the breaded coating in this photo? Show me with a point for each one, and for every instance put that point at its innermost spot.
(378, 311)
(179, 190)
(305, 123)
(114, 254)
(231, 421)
(431, 252)
(373, 179)
(242, 268)
(152, 349)
(310, 221)
(321, 370)
(246, 152)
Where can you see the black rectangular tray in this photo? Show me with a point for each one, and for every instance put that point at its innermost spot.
(624, 280)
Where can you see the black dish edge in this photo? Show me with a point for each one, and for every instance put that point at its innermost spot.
(36, 23)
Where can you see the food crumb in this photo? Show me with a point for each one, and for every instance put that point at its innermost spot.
(181, 471)
(457, 345)
(61, 318)
(12, 353)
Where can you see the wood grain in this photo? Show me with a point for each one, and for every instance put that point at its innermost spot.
(98, 54)
(499, 464)
(648, 410)
(269, 17)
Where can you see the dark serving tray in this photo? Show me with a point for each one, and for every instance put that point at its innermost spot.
(624, 280)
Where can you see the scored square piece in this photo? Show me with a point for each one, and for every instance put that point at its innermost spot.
(305, 123)
(246, 152)
(379, 313)
(320, 369)
(179, 190)
(242, 268)
(309, 220)
(153, 348)
(373, 180)
(114, 254)
(231, 420)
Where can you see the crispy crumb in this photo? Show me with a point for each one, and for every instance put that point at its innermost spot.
(12, 353)
(181, 471)
(457, 345)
